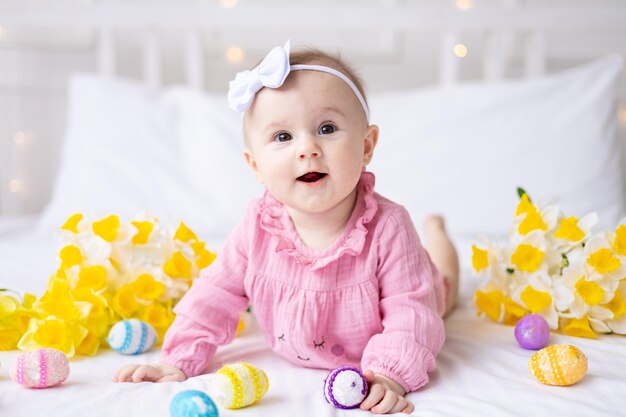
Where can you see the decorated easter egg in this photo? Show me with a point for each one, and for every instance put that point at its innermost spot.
(42, 368)
(131, 337)
(238, 385)
(558, 365)
(345, 387)
(192, 403)
(532, 332)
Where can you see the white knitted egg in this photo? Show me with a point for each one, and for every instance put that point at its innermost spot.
(131, 337)
(345, 387)
(42, 368)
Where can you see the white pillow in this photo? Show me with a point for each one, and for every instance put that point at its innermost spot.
(121, 156)
(211, 143)
(463, 151)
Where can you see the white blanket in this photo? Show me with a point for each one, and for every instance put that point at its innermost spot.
(481, 370)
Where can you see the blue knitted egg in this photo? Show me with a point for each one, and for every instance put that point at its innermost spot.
(192, 403)
(131, 337)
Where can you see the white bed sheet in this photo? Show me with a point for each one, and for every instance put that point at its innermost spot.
(480, 371)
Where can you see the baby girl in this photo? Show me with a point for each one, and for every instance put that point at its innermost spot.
(335, 272)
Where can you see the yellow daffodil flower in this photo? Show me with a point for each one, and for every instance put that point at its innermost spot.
(590, 292)
(535, 300)
(159, 316)
(185, 234)
(54, 333)
(480, 258)
(146, 287)
(568, 229)
(498, 307)
(13, 321)
(107, 228)
(70, 255)
(489, 303)
(125, 302)
(524, 206)
(89, 345)
(71, 224)
(144, 229)
(619, 244)
(57, 301)
(204, 257)
(92, 277)
(579, 328)
(618, 307)
(574, 230)
(527, 258)
(178, 266)
(604, 261)
(99, 316)
(8, 306)
(107, 271)
(532, 221)
(554, 266)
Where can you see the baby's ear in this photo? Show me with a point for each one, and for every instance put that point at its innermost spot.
(249, 158)
(371, 139)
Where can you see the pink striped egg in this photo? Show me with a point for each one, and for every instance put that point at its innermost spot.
(42, 368)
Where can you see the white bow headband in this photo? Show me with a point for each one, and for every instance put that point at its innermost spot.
(272, 72)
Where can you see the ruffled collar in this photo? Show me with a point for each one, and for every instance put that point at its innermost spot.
(275, 220)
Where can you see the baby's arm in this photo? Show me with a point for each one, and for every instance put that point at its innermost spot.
(158, 372)
(413, 333)
(385, 395)
(206, 317)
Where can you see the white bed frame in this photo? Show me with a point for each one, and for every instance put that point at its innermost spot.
(390, 40)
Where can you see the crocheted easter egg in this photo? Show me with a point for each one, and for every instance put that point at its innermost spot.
(238, 385)
(131, 337)
(42, 368)
(192, 403)
(532, 332)
(558, 365)
(345, 387)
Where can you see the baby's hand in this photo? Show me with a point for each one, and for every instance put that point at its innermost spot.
(385, 396)
(158, 372)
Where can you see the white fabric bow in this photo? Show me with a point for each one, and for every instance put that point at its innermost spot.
(271, 72)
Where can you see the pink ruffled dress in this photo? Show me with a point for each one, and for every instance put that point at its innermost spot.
(373, 299)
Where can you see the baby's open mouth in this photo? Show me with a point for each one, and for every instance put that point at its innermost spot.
(311, 176)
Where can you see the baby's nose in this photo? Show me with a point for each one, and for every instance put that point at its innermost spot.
(313, 154)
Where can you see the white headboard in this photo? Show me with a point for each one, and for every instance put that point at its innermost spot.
(395, 44)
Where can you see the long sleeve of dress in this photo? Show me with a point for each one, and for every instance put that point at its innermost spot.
(413, 331)
(208, 314)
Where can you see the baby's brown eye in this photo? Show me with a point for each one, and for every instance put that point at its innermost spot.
(282, 137)
(327, 129)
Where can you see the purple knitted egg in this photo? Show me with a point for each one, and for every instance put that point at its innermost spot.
(345, 387)
(532, 332)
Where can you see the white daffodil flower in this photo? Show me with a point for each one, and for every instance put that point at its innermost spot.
(537, 296)
(601, 260)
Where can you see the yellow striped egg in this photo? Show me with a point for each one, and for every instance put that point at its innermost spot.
(558, 365)
(238, 385)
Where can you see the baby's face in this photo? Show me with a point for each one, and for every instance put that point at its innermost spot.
(308, 141)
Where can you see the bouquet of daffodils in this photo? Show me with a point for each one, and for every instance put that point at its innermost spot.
(554, 266)
(108, 271)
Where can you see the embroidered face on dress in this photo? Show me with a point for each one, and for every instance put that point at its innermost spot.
(317, 345)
